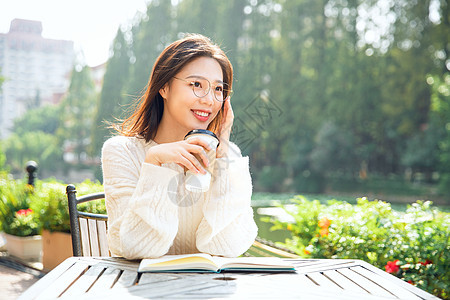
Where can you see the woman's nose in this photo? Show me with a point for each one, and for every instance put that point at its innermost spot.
(208, 98)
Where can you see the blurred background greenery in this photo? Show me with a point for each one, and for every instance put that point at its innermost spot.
(331, 96)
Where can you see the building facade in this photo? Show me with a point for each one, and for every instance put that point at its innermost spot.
(36, 70)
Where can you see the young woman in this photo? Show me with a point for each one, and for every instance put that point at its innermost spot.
(150, 212)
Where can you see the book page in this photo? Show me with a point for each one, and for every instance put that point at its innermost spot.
(196, 261)
(252, 263)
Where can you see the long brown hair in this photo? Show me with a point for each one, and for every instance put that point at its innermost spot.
(145, 119)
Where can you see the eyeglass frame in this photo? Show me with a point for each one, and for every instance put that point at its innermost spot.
(229, 92)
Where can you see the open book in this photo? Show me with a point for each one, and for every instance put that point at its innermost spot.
(202, 262)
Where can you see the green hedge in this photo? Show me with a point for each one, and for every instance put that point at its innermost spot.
(413, 245)
(17, 210)
(51, 200)
(44, 206)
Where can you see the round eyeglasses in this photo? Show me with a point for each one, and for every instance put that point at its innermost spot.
(201, 87)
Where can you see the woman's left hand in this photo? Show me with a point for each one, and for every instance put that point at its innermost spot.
(225, 129)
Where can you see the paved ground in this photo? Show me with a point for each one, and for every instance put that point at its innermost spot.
(14, 282)
(16, 275)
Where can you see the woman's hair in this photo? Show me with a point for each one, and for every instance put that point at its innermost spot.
(145, 119)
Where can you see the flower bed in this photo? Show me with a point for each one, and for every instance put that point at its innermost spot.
(412, 245)
(25, 211)
(18, 215)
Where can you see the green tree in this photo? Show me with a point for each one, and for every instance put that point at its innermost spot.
(111, 103)
(1, 81)
(45, 118)
(405, 100)
(321, 87)
(440, 95)
(3, 170)
(297, 67)
(230, 19)
(150, 36)
(199, 16)
(422, 150)
(33, 145)
(441, 106)
(333, 150)
(77, 113)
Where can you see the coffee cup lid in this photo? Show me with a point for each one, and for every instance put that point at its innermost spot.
(201, 131)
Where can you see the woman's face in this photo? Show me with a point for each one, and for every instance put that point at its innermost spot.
(183, 110)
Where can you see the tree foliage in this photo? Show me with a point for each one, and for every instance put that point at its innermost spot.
(322, 88)
(45, 118)
(33, 145)
(111, 103)
(77, 113)
(1, 81)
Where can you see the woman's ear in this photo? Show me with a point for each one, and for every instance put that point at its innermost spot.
(163, 91)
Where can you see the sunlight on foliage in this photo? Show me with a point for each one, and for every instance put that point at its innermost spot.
(417, 241)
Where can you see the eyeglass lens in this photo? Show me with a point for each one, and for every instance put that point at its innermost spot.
(201, 88)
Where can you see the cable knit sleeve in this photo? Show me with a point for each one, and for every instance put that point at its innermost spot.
(142, 220)
(228, 227)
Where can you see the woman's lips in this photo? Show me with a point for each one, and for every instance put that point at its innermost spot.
(201, 115)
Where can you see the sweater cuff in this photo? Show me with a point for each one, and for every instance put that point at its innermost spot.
(232, 182)
(231, 165)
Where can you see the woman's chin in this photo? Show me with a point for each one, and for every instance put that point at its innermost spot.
(200, 126)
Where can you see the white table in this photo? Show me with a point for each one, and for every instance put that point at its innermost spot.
(115, 278)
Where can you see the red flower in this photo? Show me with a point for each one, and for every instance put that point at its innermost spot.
(21, 212)
(392, 267)
(24, 212)
(427, 262)
(410, 282)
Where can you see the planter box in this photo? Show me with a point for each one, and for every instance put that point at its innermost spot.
(57, 246)
(24, 247)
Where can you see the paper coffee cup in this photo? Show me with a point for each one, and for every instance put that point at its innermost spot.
(200, 182)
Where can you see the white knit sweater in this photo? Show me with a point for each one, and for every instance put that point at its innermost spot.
(150, 213)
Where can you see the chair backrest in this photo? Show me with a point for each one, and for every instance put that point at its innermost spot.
(88, 230)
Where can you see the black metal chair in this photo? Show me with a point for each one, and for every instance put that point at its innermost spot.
(88, 230)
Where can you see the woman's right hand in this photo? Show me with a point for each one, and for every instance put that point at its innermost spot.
(182, 153)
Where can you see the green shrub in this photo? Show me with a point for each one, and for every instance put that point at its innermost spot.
(53, 207)
(18, 213)
(89, 187)
(413, 245)
(51, 199)
(25, 210)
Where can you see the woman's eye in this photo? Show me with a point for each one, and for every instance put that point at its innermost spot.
(219, 88)
(196, 84)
